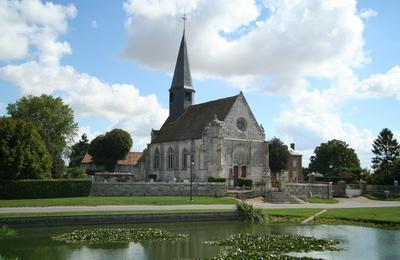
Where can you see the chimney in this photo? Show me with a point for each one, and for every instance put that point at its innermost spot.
(292, 146)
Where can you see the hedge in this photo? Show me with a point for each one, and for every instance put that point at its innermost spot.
(216, 179)
(34, 189)
(243, 182)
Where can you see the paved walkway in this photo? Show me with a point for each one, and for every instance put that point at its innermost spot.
(360, 202)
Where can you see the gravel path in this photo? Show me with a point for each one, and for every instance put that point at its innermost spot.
(360, 202)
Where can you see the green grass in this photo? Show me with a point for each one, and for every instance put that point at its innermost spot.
(374, 197)
(98, 201)
(292, 212)
(391, 214)
(374, 217)
(322, 200)
(106, 213)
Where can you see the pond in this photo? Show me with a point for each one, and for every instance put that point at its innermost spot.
(357, 242)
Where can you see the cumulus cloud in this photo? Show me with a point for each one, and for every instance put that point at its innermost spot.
(27, 22)
(41, 72)
(295, 40)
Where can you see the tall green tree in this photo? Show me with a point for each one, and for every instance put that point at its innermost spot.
(386, 150)
(78, 151)
(54, 121)
(333, 156)
(23, 154)
(278, 155)
(107, 149)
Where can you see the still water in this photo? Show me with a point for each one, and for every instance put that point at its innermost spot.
(357, 242)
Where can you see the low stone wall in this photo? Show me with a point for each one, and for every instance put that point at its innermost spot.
(393, 191)
(307, 190)
(118, 219)
(158, 189)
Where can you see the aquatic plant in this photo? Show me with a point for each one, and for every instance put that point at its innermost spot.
(248, 246)
(247, 212)
(116, 235)
(6, 231)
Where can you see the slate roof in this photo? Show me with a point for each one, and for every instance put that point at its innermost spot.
(131, 158)
(182, 77)
(191, 123)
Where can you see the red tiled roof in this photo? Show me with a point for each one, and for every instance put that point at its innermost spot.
(131, 158)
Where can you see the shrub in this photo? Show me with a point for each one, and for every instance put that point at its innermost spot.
(76, 173)
(33, 189)
(216, 179)
(243, 182)
(6, 231)
(247, 212)
(152, 176)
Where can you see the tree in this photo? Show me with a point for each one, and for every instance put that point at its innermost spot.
(54, 121)
(278, 155)
(333, 157)
(107, 149)
(23, 154)
(78, 151)
(386, 150)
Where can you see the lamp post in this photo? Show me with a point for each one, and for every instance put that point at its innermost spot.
(191, 177)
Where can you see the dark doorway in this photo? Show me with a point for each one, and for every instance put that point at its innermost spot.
(243, 171)
(235, 175)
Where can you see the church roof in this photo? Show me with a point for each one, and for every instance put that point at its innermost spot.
(182, 77)
(191, 123)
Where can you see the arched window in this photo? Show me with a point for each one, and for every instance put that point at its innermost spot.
(184, 159)
(170, 158)
(156, 159)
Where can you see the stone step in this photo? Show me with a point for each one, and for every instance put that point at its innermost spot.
(280, 197)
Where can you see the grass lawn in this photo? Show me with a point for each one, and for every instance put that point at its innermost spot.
(375, 217)
(98, 201)
(322, 200)
(107, 213)
(372, 197)
(391, 214)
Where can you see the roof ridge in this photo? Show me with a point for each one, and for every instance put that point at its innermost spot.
(212, 101)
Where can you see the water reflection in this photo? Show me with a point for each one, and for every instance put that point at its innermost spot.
(358, 242)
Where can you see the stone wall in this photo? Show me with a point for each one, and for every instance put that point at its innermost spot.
(308, 190)
(379, 190)
(158, 189)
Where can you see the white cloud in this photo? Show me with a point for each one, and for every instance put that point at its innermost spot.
(94, 24)
(27, 21)
(42, 72)
(297, 39)
(367, 13)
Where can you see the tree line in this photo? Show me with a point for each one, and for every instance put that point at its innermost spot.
(336, 159)
(34, 138)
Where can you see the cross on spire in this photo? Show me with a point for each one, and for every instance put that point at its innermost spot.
(184, 18)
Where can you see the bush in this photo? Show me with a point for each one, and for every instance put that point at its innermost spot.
(216, 179)
(34, 189)
(243, 182)
(248, 213)
(152, 176)
(76, 173)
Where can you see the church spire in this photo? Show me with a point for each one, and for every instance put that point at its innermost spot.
(181, 93)
(182, 76)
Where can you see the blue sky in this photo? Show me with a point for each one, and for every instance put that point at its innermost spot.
(310, 70)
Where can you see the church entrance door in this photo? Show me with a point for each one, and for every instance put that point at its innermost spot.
(235, 175)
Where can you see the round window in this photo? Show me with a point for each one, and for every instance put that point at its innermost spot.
(241, 124)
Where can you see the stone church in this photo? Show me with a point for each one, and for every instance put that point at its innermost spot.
(218, 138)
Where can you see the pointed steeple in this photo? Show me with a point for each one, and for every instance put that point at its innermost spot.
(181, 93)
(182, 76)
